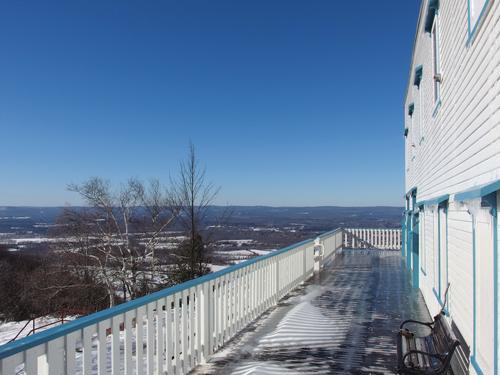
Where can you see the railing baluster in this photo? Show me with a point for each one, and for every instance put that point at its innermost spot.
(55, 356)
(150, 338)
(88, 332)
(218, 312)
(139, 340)
(102, 346)
(223, 310)
(199, 324)
(159, 336)
(8, 365)
(211, 317)
(206, 321)
(169, 333)
(177, 347)
(230, 305)
(115, 346)
(191, 328)
(184, 333)
(128, 338)
(31, 359)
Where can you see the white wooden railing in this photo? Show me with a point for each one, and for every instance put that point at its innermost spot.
(372, 238)
(173, 330)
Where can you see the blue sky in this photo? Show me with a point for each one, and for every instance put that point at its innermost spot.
(287, 102)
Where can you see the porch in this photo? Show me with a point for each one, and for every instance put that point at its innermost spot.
(270, 314)
(341, 321)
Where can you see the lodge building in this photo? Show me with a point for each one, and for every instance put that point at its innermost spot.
(452, 170)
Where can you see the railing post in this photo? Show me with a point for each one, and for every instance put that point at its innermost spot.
(277, 279)
(318, 254)
(304, 261)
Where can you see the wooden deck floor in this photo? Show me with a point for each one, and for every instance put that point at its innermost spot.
(342, 322)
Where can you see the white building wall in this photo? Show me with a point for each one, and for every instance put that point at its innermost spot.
(451, 147)
(460, 147)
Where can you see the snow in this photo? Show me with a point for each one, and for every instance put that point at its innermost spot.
(303, 326)
(217, 267)
(238, 243)
(231, 253)
(261, 251)
(9, 330)
(297, 324)
(265, 229)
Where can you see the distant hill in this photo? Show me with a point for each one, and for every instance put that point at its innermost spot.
(36, 220)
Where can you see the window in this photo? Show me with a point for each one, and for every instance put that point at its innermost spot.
(409, 135)
(435, 62)
(417, 123)
(476, 9)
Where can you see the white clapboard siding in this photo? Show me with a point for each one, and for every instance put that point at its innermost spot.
(450, 148)
(461, 145)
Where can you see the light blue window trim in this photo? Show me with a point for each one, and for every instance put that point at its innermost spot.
(476, 365)
(442, 205)
(410, 192)
(473, 28)
(423, 263)
(403, 236)
(408, 240)
(436, 108)
(478, 192)
(435, 201)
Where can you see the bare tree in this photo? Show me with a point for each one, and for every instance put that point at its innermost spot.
(194, 195)
(117, 234)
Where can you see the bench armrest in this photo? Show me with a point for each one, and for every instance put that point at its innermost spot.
(428, 324)
(437, 356)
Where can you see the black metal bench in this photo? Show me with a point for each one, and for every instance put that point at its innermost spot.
(426, 354)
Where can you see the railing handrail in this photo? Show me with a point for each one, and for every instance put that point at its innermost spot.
(25, 343)
(365, 228)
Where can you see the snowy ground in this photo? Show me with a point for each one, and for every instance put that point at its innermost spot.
(8, 330)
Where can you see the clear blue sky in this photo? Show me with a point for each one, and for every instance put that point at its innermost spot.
(288, 102)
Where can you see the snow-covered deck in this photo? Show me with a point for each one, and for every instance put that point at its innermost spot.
(342, 321)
